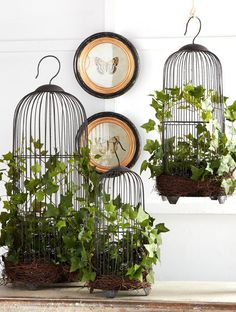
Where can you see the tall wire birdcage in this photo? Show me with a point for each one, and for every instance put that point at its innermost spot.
(115, 250)
(45, 129)
(195, 65)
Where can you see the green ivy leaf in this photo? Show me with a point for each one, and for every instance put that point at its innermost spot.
(75, 264)
(151, 146)
(9, 188)
(110, 207)
(162, 96)
(36, 168)
(161, 228)
(40, 196)
(226, 165)
(206, 116)
(230, 112)
(197, 173)
(6, 205)
(144, 166)
(19, 198)
(61, 166)
(142, 215)
(157, 106)
(31, 185)
(66, 200)
(228, 185)
(197, 92)
(133, 270)
(88, 276)
(70, 242)
(128, 212)
(51, 211)
(8, 156)
(37, 144)
(60, 224)
(150, 277)
(209, 169)
(107, 198)
(169, 146)
(117, 202)
(149, 126)
(151, 248)
(4, 217)
(51, 188)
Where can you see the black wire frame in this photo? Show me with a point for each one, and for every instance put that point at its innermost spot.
(53, 117)
(192, 64)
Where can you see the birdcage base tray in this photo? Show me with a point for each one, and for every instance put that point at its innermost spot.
(112, 284)
(173, 187)
(32, 275)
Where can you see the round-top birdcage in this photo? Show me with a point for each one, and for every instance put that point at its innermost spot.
(45, 131)
(116, 231)
(192, 65)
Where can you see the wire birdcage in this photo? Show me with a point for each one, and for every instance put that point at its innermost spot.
(193, 64)
(115, 249)
(46, 124)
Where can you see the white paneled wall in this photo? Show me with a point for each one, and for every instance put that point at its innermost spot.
(202, 242)
(32, 29)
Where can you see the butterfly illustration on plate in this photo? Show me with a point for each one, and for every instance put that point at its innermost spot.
(109, 67)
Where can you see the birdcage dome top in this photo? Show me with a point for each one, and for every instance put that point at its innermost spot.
(193, 47)
(49, 88)
(116, 169)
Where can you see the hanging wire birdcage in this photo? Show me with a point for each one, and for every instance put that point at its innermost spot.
(195, 65)
(115, 233)
(45, 139)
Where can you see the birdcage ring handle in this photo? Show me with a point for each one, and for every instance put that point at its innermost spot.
(200, 27)
(59, 66)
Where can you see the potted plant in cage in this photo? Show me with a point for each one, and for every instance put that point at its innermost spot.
(36, 238)
(127, 245)
(198, 160)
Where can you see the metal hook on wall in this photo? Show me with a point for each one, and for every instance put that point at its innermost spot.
(59, 66)
(200, 26)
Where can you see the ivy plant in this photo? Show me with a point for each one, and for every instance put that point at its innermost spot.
(209, 153)
(130, 242)
(22, 229)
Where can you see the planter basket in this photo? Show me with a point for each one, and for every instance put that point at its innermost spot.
(173, 187)
(111, 284)
(32, 274)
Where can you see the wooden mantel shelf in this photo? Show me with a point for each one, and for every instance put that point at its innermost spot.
(165, 296)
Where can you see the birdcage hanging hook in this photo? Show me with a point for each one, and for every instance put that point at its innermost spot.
(59, 66)
(200, 27)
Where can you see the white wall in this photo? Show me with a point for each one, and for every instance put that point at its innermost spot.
(202, 240)
(28, 31)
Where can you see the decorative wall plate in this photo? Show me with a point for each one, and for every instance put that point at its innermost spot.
(106, 65)
(113, 140)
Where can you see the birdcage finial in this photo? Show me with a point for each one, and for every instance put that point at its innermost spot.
(200, 26)
(59, 67)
